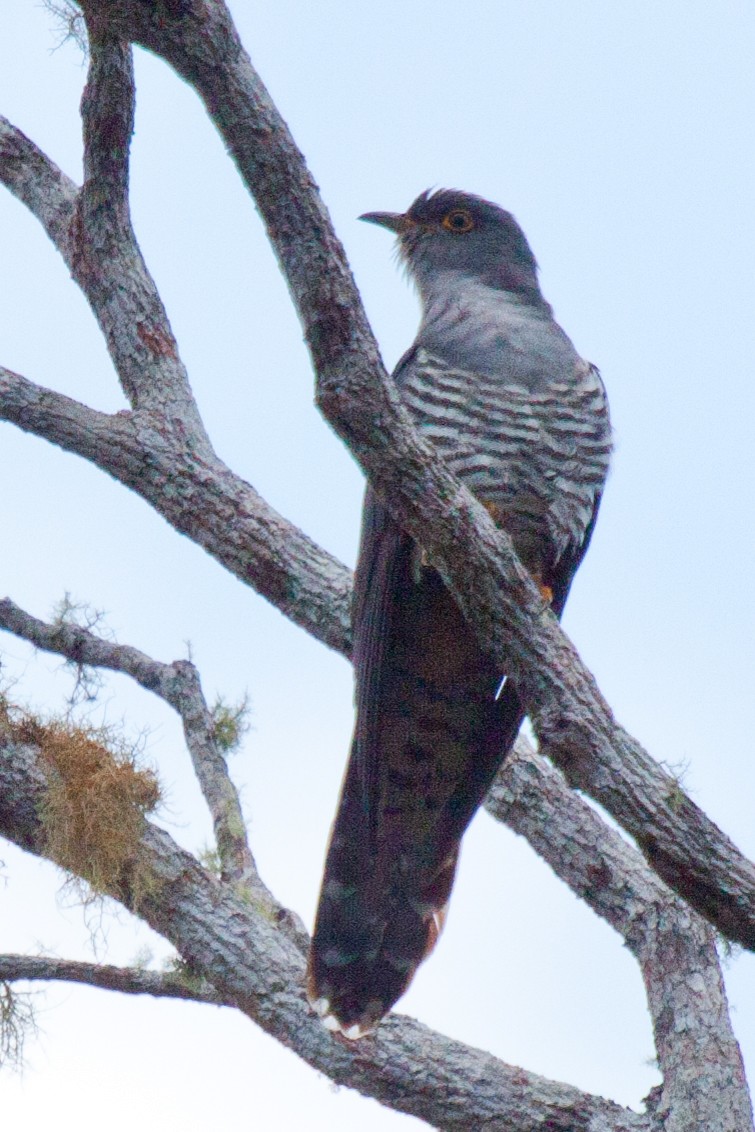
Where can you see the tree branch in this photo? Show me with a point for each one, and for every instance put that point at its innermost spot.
(107, 115)
(70, 424)
(126, 980)
(107, 263)
(573, 722)
(676, 951)
(179, 685)
(200, 41)
(199, 497)
(37, 182)
(250, 962)
(704, 1084)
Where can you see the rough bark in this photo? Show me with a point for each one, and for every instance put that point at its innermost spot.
(243, 954)
(697, 1052)
(104, 976)
(245, 949)
(160, 448)
(573, 722)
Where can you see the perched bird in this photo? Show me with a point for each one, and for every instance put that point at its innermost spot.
(499, 389)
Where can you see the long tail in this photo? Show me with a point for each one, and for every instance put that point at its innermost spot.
(429, 738)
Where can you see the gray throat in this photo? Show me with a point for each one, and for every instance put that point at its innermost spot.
(487, 330)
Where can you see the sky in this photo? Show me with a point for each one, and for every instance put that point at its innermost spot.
(621, 138)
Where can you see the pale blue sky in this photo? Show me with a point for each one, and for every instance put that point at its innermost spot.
(621, 138)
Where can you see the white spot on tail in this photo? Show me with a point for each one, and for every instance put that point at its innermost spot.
(321, 1006)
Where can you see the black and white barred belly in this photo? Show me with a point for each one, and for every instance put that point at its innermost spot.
(539, 456)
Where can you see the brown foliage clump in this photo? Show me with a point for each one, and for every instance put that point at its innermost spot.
(94, 805)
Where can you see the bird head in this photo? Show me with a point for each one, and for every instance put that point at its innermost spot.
(448, 231)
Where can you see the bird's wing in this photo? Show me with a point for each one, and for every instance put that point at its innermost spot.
(380, 589)
(429, 737)
(569, 563)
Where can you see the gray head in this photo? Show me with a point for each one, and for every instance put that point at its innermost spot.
(453, 232)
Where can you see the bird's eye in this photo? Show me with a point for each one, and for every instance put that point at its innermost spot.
(458, 220)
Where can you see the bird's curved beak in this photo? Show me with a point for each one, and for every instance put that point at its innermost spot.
(397, 222)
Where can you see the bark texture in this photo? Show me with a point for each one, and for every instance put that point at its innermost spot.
(241, 947)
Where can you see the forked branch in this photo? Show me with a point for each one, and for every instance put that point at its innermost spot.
(703, 1078)
(160, 449)
(250, 962)
(574, 723)
(179, 685)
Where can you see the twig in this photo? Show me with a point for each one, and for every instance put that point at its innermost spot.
(179, 685)
(126, 980)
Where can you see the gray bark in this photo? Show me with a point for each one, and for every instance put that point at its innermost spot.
(243, 954)
(246, 949)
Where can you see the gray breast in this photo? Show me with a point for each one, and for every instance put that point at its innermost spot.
(519, 416)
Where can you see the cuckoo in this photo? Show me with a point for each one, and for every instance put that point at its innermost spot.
(495, 384)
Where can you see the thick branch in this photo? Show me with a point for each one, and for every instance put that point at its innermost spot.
(201, 498)
(574, 724)
(704, 1084)
(126, 980)
(200, 41)
(250, 962)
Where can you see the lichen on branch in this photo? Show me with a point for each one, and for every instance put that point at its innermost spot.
(94, 804)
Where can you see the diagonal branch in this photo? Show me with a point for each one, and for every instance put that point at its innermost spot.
(201, 498)
(107, 263)
(704, 1084)
(573, 722)
(676, 951)
(179, 685)
(126, 980)
(250, 962)
(38, 183)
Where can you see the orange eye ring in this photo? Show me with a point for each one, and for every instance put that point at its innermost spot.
(458, 221)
